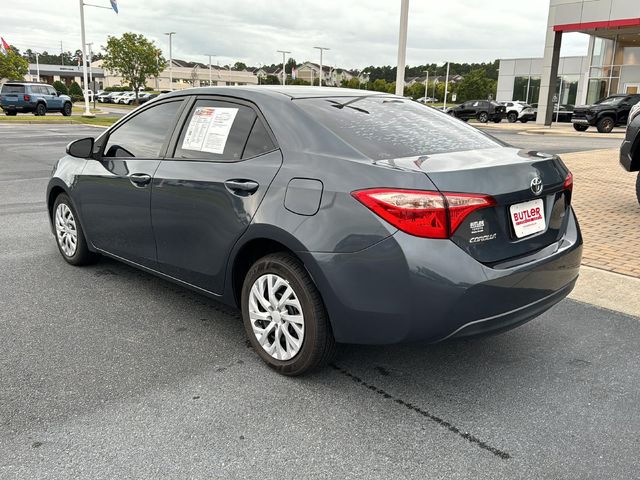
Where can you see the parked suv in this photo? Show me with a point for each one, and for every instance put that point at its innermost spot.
(36, 98)
(630, 150)
(514, 110)
(605, 114)
(481, 110)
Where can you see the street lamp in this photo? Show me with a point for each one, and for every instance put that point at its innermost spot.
(170, 34)
(426, 83)
(322, 49)
(402, 47)
(284, 73)
(210, 78)
(37, 66)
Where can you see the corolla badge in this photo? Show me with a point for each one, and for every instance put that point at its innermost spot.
(536, 185)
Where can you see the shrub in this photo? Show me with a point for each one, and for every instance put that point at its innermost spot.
(75, 90)
(61, 88)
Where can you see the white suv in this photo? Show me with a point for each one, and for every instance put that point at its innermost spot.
(127, 98)
(514, 110)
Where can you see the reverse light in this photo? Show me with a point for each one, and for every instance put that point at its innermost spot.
(422, 213)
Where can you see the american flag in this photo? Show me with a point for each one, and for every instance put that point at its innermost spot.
(114, 5)
(4, 46)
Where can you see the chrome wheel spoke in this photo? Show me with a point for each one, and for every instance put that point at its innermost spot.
(66, 230)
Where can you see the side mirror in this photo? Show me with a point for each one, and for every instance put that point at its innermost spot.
(82, 148)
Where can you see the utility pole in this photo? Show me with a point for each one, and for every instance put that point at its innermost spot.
(89, 45)
(322, 49)
(426, 82)
(61, 53)
(170, 34)
(210, 69)
(87, 112)
(284, 73)
(37, 66)
(446, 86)
(402, 47)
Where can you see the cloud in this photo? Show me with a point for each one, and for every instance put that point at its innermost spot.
(359, 32)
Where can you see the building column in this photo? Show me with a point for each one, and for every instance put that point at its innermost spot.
(549, 78)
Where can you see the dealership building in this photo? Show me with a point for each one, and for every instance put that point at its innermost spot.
(611, 66)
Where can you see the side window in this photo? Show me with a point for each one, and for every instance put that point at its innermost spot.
(52, 91)
(476, 104)
(633, 100)
(259, 141)
(144, 135)
(39, 90)
(215, 130)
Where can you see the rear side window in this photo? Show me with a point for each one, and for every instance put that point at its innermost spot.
(12, 88)
(387, 127)
(144, 135)
(215, 130)
(259, 141)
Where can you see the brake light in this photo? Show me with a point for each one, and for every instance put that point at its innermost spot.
(27, 98)
(568, 182)
(422, 213)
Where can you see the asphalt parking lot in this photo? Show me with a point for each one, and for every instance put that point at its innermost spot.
(108, 372)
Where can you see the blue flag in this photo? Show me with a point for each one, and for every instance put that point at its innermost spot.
(114, 5)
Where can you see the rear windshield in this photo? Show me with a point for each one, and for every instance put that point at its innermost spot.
(12, 88)
(388, 127)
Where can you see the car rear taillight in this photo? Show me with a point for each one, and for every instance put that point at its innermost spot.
(422, 213)
(27, 98)
(568, 182)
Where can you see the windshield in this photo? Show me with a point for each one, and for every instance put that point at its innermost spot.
(610, 101)
(12, 88)
(384, 127)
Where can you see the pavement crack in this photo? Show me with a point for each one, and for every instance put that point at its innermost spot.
(440, 421)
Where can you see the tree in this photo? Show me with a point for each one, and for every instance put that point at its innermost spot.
(291, 63)
(75, 92)
(476, 85)
(60, 87)
(134, 58)
(13, 66)
(270, 80)
(239, 66)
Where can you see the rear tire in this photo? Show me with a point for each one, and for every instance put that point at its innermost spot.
(524, 120)
(606, 124)
(41, 110)
(638, 188)
(69, 234)
(67, 109)
(312, 342)
(580, 128)
(483, 117)
(512, 117)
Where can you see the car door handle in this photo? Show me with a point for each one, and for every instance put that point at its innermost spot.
(242, 188)
(140, 179)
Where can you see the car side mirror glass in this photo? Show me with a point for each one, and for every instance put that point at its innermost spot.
(82, 148)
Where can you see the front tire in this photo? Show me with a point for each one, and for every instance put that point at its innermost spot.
(67, 109)
(512, 117)
(606, 124)
(69, 234)
(580, 128)
(284, 316)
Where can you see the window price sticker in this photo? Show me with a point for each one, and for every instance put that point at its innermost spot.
(209, 129)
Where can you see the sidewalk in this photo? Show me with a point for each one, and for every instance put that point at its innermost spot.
(609, 214)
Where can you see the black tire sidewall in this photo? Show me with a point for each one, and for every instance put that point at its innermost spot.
(41, 110)
(512, 117)
(483, 117)
(605, 125)
(304, 360)
(638, 187)
(64, 109)
(580, 128)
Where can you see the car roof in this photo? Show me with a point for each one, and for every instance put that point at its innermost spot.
(291, 92)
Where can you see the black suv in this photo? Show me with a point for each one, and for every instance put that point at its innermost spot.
(605, 114)
(482, 110)
(630, 150)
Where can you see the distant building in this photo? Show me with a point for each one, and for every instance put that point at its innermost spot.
(66, 74)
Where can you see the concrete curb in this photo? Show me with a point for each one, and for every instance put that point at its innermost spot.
(613, 291)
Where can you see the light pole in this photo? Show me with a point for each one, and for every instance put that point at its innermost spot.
(446, 86)
(402, 47)
(426, 83)
(284, 73)
(90, 44)
(87, 112)
(37, 66)
(170, 34)
(322, 49)
(210, 69)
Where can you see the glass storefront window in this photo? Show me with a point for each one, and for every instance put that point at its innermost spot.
(526, 89)
(598, 88)
(602, 52)
(567, 91)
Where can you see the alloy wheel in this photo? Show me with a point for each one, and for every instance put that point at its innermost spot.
(66, 230)
(276, 316)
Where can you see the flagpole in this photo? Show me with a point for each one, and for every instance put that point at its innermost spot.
(87, 112)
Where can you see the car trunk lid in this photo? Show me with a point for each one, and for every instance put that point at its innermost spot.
(510, 176)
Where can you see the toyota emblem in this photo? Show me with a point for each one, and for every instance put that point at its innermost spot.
(536, 186)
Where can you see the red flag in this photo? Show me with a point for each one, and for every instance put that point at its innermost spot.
(4, 46)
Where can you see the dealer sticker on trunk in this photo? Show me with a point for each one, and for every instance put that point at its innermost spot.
(528, 217)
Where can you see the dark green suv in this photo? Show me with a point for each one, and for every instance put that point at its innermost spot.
(36, 98)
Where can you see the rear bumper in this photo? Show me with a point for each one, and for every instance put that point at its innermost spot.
(18, 108)
(412, 289)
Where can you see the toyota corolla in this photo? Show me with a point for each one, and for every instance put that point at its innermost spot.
(326, 215)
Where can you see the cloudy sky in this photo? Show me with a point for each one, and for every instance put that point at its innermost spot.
(359, 32)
